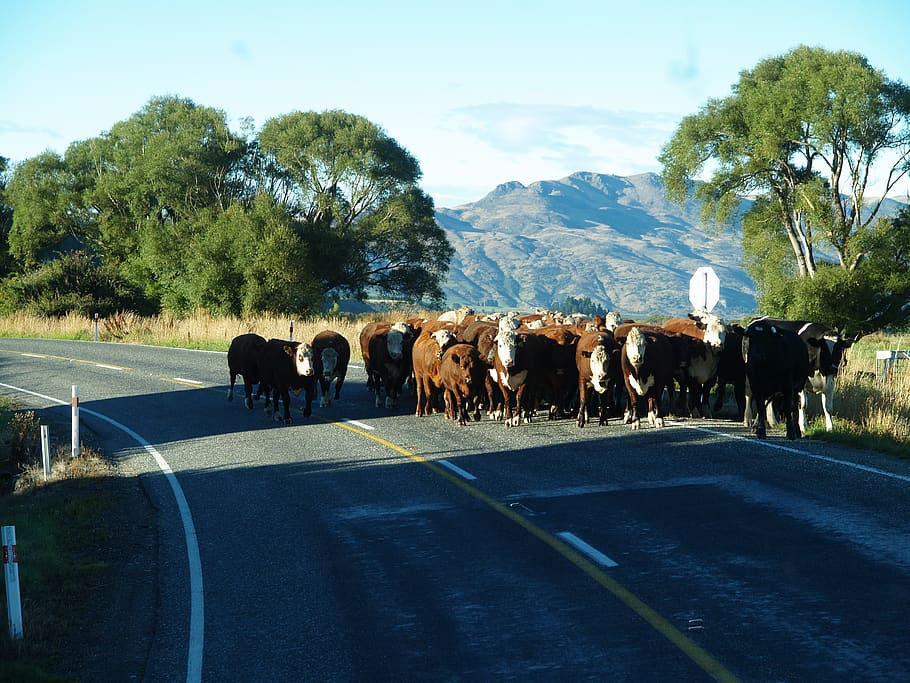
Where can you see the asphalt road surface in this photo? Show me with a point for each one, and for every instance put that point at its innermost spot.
(365, 544)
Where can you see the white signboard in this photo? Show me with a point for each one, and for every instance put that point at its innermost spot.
(704, 289)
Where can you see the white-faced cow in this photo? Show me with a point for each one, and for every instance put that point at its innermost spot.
(386, 349)
(596, 357)
(827, 352)
(518, 362)
(287, 366)
(777, 365)
(426, 355)
(243, 359)
(647, 361)
(332, 353)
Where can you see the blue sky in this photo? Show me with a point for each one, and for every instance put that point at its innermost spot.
(480, 93)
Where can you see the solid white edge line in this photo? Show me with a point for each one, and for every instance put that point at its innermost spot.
(587, 549)
(464, 474)
(807, 454)
(108, 367)
(197, 614)
(188, 381)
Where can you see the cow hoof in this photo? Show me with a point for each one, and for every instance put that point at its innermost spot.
(636, 424)
(659, 422)
(230, 395)
(324, 403)
(248, 402)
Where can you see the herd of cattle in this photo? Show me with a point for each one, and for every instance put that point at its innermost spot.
(512, 366)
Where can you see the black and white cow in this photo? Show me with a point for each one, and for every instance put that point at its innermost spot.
(777, 365)
(827, 353)
(287, 366)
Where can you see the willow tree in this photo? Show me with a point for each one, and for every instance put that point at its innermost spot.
(806, 132)
(353, 192)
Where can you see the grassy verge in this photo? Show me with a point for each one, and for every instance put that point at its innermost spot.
(62, 526)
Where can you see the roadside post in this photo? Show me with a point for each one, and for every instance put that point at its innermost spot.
(96, 327)
(11, 574)
(704, 289)
(46, 451)
(75, 403)
(291, 333)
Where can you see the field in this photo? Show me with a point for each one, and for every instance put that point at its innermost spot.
(871, 411)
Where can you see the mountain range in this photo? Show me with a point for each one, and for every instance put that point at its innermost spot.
(616, 240)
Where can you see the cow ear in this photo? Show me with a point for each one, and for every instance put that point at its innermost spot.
(289, 350)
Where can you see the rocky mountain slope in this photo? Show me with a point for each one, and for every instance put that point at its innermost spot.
(616, 240)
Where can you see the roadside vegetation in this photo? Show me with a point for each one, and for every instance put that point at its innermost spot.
(62, 529)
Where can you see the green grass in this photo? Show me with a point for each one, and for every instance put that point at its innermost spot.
(61, 528)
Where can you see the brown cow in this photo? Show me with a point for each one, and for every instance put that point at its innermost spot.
(559, 372)
(482, 334)
(596, 353)
(518, 363)
(647, 363)
(331, 354)
(463, 374)
(426, 356)
(698, 373)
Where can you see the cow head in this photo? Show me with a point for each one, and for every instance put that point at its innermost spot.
(444, 339)
(612, 320)
(713, 327)
(329, 357)
(303, 360)
(507, 347)
(599, 365)
(396, 337)
(635, 346)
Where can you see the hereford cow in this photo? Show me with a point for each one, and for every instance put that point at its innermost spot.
(517, 364)
(596, 359)
(243, 358)
(647, 361)
(827, 352)
(463, 374)
(426, 355)
(777, 365)
(286, 366)
(482, 334)
(332, 352)
(386, 350)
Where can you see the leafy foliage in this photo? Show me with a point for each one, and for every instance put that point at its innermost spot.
(579, 304)
(74, 282)
(802, 133)
(176, 206)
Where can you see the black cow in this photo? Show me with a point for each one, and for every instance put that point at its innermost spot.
(827, 352)
(286, 366)
(243, 359)
(731, 369)
(777, 365)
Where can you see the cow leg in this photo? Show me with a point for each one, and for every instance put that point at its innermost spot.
(654, 416)
(230, 395)
(248, 393)
(827, 397)
(325, 401)
(308, 399)
(760, 410)
(339, 380)
(582, 416)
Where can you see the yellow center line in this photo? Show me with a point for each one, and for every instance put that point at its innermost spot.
(697, 654)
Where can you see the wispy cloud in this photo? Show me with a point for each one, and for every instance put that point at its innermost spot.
(578, 137)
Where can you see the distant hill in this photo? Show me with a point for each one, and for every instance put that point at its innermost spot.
(616, 240)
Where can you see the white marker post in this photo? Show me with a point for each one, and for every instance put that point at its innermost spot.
(46, 451)
(75, 401)
(11, 572)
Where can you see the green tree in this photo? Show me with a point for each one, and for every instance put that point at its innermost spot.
(6, 219)
(352, 192)
(803, 132)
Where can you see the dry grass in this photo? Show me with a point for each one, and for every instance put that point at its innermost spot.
(197, 331)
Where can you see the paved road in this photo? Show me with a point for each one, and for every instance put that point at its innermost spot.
(366, 544)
